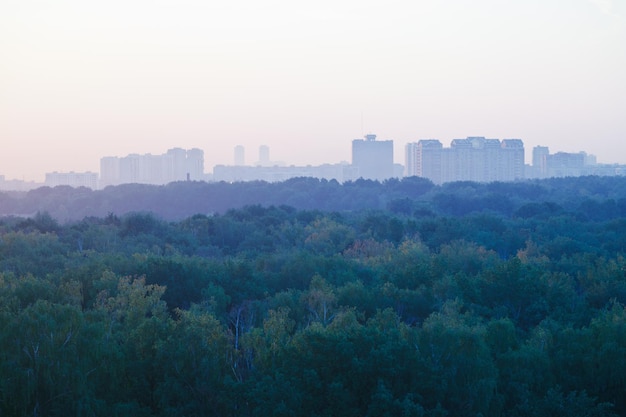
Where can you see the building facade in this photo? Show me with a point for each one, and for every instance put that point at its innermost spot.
(373, 159)
(240, 156)
(72, 179)
(410, 160)
(472, 159)
(567, 164)
(175, 165)
(264, 156)
(423, 159)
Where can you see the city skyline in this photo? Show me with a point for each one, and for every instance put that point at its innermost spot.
(79, 80)
(252, 157)
(474, 158)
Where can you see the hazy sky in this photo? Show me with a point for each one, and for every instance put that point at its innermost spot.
(82, 79)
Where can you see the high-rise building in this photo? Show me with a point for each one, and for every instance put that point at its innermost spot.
(472, 159)
(195, 165)
(459, 161)
(373, 158)
(130, 169)
(540, 155)
(72, 179)
(240, 156)
(512, 155)
(109, 171)
(175, 165)
(178, 161)
(565, 164)
(264, 156)
(410, 159)
(423, 159)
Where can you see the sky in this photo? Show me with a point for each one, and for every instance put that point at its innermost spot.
(83, 79)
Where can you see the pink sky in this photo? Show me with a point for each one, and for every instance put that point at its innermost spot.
(80, 80)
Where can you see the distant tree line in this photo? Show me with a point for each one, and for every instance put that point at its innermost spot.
(461, 300)
(596, 198)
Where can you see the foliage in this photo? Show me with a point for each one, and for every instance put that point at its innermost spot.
(361, 299)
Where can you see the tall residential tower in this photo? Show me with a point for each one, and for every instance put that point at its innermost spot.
(472, 159)
(373, 158)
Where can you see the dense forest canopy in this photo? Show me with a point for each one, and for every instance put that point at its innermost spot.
(315, 298)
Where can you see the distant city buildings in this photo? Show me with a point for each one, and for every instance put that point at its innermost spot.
(17, 185)
(540, 154)
(565, 164)
(423, 159)
(264, 156)
(175, 165)
(269, 171)
(240, 156)
(373, 159)
(472, 159)
(72, 179)
(340, 172)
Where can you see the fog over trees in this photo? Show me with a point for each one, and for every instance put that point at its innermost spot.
(407, 196)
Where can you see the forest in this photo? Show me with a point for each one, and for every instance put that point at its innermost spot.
(315, 298)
